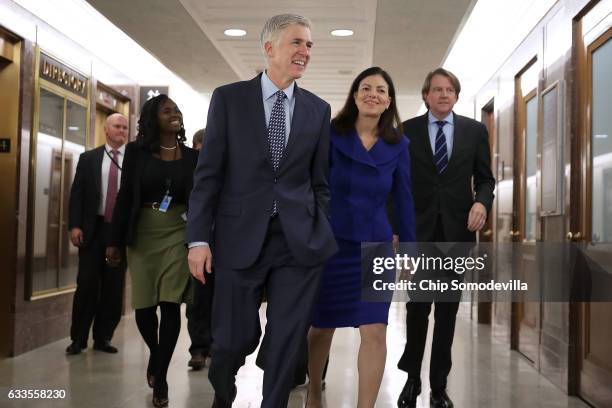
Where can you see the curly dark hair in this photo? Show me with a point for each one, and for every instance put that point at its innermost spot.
(148, 125)
(389, 124)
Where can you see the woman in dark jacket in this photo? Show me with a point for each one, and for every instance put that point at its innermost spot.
(149, 219)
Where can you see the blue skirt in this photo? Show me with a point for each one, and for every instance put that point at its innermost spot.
(346, 280)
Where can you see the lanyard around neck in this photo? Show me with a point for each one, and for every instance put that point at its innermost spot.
(112, 159)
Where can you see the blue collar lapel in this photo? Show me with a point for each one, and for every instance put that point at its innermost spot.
(350, 145)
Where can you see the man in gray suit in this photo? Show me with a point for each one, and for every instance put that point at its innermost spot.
(262, 183)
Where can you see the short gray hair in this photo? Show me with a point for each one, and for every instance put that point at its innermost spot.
(275, 24)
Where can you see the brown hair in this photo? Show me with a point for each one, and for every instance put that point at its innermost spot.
(389, 124)
(440, 71)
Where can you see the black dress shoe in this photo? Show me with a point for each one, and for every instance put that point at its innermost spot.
(408, 396)
(73, 349)
(440, 399)
(220, 403)
(104, 346)
(197, 362)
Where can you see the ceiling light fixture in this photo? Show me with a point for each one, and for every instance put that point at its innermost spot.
(235, 32)
(342, 33)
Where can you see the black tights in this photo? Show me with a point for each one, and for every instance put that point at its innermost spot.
(162, 349)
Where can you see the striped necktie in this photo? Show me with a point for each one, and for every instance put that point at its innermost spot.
(441, 154)
(276, 136)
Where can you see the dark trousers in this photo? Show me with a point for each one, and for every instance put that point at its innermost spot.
(290, 291)
(199, 316)
(301, 368)
(417, 321)
(99, 293)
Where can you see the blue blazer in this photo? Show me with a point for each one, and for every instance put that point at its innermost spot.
(360, 183)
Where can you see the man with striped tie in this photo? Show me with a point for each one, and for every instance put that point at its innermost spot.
(448, 152)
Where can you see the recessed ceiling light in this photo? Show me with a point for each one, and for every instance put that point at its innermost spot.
(235, 32)
(342, 33)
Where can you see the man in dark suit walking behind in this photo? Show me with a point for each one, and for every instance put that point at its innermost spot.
(92, 198)
(262, 182)
(453, 193)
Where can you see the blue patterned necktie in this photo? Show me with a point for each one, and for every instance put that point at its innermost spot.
(441, 155)
(276, 135)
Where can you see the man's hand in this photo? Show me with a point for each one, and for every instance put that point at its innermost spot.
(76, 237)
(113, 256)
(477, 217)
(200, 259)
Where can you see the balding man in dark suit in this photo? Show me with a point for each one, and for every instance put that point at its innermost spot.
(98, 296)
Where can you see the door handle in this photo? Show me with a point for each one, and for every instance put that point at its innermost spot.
(574, 236)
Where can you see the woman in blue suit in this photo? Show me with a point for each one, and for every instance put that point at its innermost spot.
(368, 162)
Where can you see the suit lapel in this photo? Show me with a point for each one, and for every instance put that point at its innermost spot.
(458, 140)
(350, 145)
(258, 117)
(421, 141)
(97, 167)
(300, 112)
(424, 139)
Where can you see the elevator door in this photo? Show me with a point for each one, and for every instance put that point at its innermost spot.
(10, 60)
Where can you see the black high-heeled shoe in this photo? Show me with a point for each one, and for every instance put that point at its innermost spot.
(160, 396)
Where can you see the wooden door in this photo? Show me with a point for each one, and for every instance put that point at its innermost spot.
(527, 314)
(486, 235)
(591, 207)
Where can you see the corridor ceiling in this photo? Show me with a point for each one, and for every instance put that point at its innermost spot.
(407, 38)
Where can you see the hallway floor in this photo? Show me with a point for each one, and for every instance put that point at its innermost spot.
(485, 374)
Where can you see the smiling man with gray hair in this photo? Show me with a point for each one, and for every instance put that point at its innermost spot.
(262, 182)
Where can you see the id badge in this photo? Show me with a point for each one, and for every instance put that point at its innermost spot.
(163, 206)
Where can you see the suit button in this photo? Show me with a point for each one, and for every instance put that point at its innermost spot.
(275, 180)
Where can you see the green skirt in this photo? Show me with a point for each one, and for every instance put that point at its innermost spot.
(158, 259)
